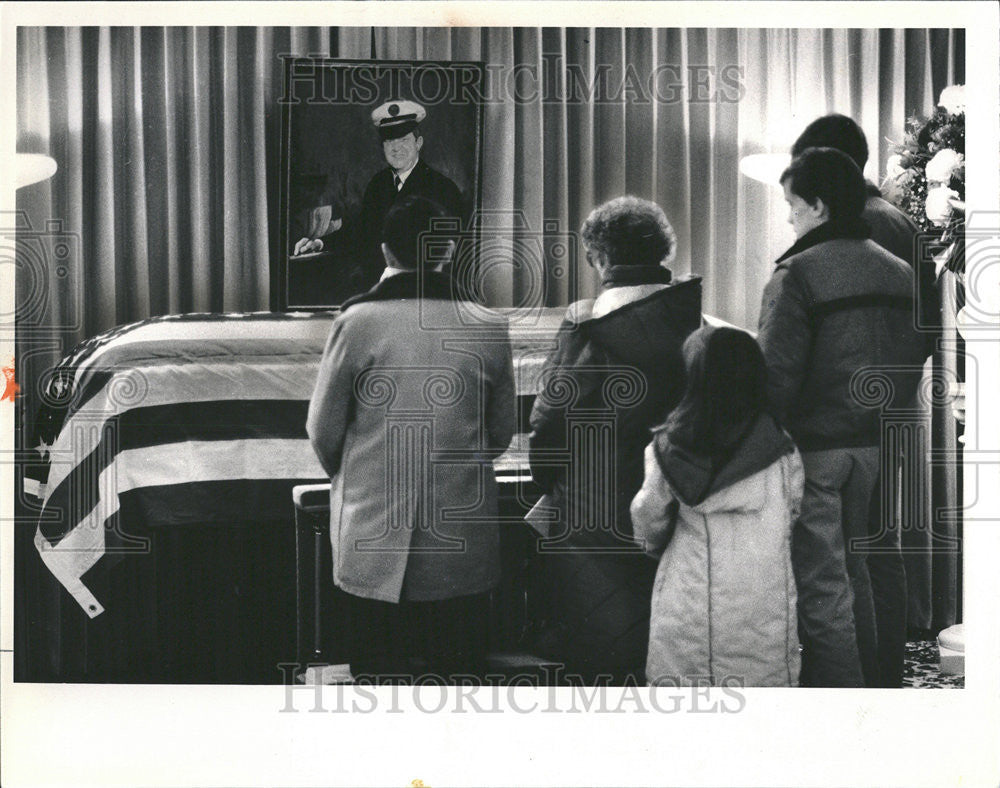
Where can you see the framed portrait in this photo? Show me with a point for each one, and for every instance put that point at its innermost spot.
(357, 136)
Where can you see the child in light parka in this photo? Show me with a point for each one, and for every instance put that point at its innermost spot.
(722, 488)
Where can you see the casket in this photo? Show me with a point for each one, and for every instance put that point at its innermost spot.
(167, 453)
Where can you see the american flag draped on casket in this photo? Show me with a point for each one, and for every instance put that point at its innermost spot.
(189, 419)
(188, 415)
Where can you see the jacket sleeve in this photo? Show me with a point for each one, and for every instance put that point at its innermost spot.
(570, 374)
(785, 334)
(366, 237)
(501, 405)
(332, 405)
(651, 510)
(450, 197)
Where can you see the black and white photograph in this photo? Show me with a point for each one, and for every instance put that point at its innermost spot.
(410, 381)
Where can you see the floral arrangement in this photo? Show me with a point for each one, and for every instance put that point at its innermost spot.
(925, 175)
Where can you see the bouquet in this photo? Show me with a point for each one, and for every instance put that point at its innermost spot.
(925, 175)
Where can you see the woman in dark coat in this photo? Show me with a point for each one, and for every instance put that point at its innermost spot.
(615, 373)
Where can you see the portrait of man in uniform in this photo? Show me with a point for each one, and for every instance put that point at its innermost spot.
(359, 137)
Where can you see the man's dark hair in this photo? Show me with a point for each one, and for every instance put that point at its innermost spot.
(412, 228)
(831, 176)
(835, 131)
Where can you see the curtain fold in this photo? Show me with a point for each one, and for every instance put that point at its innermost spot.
(167, 141)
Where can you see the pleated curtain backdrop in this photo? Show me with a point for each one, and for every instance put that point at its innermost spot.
(167, 142)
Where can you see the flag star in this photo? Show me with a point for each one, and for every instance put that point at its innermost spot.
(43, 448)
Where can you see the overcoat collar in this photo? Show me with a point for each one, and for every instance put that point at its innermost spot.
(408, 285)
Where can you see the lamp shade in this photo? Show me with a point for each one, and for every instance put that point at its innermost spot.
(34, 167)
(765, 167)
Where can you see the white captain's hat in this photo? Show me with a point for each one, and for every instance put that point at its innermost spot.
(397, 118)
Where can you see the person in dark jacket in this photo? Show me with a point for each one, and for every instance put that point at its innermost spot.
(407, 175)
(615, 372)
(891, 229)
(894, 231)
(837, 333)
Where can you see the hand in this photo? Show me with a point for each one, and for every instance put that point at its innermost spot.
(306, 245)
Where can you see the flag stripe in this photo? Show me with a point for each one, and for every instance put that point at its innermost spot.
(215, 502)
(172, 384)
(94, 498)
(230, 420)
(180, 335)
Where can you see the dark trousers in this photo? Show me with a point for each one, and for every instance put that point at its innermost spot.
(836, 612)
(888, 578)
(417, 641)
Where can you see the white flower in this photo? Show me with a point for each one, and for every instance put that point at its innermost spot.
(893, 167)
(944, 163)
(953, 99)
(937, 206)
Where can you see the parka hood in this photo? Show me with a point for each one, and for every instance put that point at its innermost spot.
(694, 478)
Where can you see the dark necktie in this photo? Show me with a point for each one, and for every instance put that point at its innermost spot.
(397, 181)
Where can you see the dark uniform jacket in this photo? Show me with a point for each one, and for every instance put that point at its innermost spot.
(837, 331)
(379, 197)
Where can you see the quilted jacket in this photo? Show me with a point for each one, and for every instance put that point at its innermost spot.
(723, 602)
